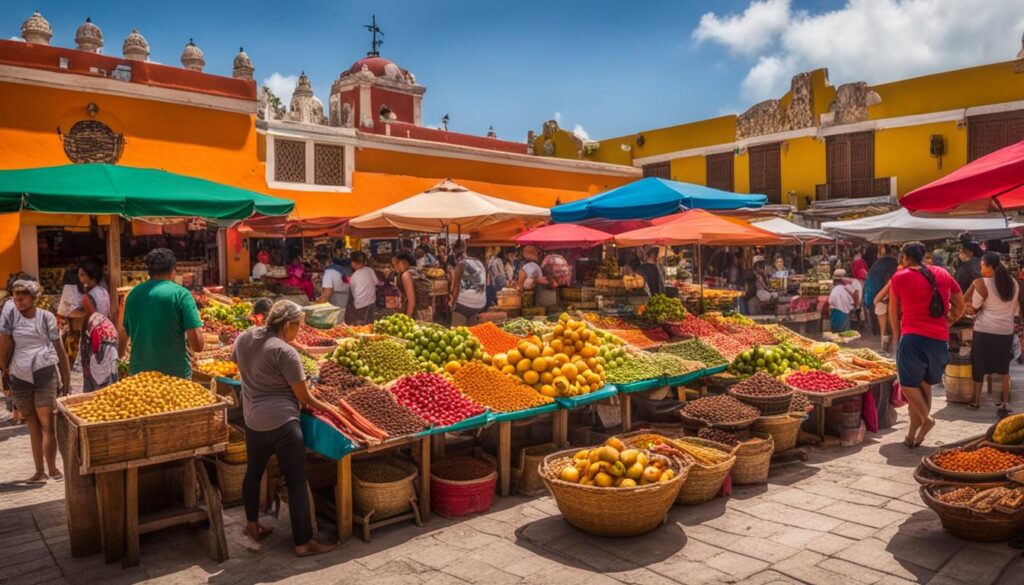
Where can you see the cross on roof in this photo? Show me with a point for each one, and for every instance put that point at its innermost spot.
(375, 43)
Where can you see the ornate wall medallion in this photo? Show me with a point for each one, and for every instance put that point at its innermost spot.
(90, 141)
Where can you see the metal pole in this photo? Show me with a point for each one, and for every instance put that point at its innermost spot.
(700, 275)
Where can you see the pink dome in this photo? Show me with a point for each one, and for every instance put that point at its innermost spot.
(380, 67)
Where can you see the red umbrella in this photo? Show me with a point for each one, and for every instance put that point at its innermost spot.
(992, 182)
(563, 235)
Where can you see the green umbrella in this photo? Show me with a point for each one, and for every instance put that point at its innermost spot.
(100, 189)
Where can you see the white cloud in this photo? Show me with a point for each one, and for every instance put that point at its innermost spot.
(580, 132)
(19, 39)
(745, 33)
(558, 118)
(282, 86)
(865, 40)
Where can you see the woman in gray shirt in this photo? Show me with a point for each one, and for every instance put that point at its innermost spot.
(273, 386)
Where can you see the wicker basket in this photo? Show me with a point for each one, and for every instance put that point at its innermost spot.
(530, 482)
(134, 439)
(768, 405)
(694, 424)
(783, 429)
(970, 525)
(616, 512)
(229, 480)
(386, 498)
(235, 451)
(704, 482)
(964, 476)
(753, 460)
(455, 498)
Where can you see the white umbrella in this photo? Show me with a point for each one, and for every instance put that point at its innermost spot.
(901, 226)
(448, 205)
(783, 227)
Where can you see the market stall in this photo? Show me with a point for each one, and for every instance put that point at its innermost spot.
(903, 226)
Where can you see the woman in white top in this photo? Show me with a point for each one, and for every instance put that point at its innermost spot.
(993, 300)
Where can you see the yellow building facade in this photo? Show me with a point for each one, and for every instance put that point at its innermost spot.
(820, 141)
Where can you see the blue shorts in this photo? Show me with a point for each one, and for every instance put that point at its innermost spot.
(921, 359)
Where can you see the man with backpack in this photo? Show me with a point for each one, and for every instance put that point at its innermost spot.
(924, 301)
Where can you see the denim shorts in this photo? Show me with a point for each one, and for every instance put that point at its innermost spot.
(921, 359)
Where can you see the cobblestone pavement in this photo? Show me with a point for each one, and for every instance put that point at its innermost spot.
(846, 517)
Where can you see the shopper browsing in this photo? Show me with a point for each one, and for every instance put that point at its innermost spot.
(161, 320)
(923, 302)
(363, 283)
(842, 301)
(32, 355)
(413, 287)
(993, 298)
(337, 286)
(469, 287)
(273, 387)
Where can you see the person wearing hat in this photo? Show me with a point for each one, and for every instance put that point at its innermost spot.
(841, 301)
(970, 262)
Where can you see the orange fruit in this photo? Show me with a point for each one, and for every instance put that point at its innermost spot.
(514, 356)
(540, 364)
(532, 352)
(531, 377)
(523, 365)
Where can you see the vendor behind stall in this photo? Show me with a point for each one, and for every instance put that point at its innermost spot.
(651, 272)
(532, 277)
(469, 287)
(159, 315)
(262, 266)
(364, 284)
(336, 285)
(414, 287)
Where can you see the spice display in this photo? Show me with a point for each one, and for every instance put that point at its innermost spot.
(461, 469)
(1010, 430)
(499, 392)
(380, 360)
(348, 420)
(377, 471)
(563, 363)
(761, 384)
(143, 394)
(613, 465)
(436, 347)
(719, 436)
(493, 339)
(637, 338)
(774, 359)
(816, 381)
(434, 398)
(660, 308)
(218, 368)
(397, 325)
(332, 375)
(983, 460)
(380, 407)
(695, 350)
(720, 409)
(236, 315)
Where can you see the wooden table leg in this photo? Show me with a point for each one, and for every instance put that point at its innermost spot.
(343, 498)
(189, 483)
(438, 443)
(217, 546)
(425, 447)
(560, 428)
(110, 496)
(820, 414)
(504, 458)
(626, 403)
(79, 495)
(131, 517)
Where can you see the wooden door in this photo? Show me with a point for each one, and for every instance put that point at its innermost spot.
(766, 171)
(659, 170)
(720, 171)
(989, 133)
(850, 165)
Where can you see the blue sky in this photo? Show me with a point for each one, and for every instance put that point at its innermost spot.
(611, 68)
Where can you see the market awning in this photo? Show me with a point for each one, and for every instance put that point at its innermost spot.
(282, 227)
(989, 183)
(700, 227)
(902, 226)
(563, 236)
(99, 188)
(450, 206)
(652, 197)
(784, 227)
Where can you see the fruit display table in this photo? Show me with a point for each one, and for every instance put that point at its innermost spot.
(821, 401)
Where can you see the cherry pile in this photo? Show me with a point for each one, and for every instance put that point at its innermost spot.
(435, 399)
(818, 381)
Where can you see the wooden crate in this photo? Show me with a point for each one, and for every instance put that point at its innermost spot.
(106, 446)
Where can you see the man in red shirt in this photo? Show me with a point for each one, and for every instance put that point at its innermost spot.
(920, 328)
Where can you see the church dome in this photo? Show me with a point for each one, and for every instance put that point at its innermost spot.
(89, 37)
(36, 30)
(380, 67)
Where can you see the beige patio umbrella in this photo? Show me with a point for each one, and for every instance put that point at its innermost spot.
(446, 206)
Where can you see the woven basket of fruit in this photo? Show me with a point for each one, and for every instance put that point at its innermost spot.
(765, 393)
(783, 429)
(975, 465)
(384, 486)
(583, 485)
(980, 515)
(753, 460)
(712, 463)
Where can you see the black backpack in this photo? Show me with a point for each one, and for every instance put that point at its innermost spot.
(937, 308)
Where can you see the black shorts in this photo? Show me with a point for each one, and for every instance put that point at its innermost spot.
(990, 354)
(921, 359)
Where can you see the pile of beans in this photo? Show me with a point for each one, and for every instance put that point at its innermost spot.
(493, 338)
(984, 460)
(434, 398)
(720, 409)
(818, 381)
(761, 384)
(461, 469)
(499, 392)
(719, 436)
(696, 350)
(380, 407)
(334, 376)
(379, 471)
(960, 496)
(800, 404)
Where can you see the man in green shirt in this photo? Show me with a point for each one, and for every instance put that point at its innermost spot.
(158, 317)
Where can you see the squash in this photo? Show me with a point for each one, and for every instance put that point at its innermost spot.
(1010, 430)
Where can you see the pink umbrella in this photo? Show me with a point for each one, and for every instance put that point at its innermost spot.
(992, 182)
(563, 235)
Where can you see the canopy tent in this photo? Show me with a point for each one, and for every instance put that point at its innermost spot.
(282, 227)
(102, 189)
(652, 197)
(992, 182)
(697, 226)
(783, 227)
(901, 226)
(448, 205)
(563, 235)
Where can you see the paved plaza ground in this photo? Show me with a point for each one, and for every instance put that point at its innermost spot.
(848, 516)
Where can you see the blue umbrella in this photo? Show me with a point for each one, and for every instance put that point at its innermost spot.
(650, 198)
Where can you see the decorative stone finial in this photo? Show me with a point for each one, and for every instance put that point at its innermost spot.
(303, 88)
(491, 133)
(89, 37)
(243, 68)
(36, 30)
(192, 57)
(1020, 54)
(135, 47)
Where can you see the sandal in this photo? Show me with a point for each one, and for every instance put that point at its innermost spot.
(57, 476)
(909, 443)
(261, 532)
(973, 405)
(315, 548)
(39, 478)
